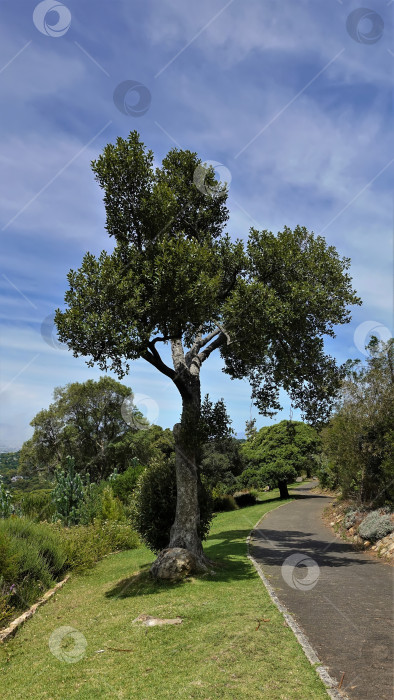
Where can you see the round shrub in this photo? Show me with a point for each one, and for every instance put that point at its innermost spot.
(154, 505)
(375, 526)
(245, 498)
(224, 503)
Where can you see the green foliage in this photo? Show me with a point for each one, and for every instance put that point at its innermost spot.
(37, 505)
(224, 502)
(84, 421)
(214, 421)
(174, 273)
(84, 545)
(154, 505)
(279, 452)
(376, 526)
(245, 498)
(6, 506)
(68, 495)
(124, 484)
(358, 442)
(32, 559)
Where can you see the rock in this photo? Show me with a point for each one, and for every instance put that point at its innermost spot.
(173, 564)
(350, 531)
(391, 547)
(149, 621)
(367, 543)
(332, 524)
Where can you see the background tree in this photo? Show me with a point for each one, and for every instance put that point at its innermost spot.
(85, 422)
(175, 277)
(221, 460)
(277, 454)
(358, 442)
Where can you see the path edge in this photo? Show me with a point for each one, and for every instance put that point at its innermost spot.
(15, 624)
(329, 682)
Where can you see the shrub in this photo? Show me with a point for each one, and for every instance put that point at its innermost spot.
(223, 503)
(33, 557)
(69, 494)
(6, 507)
(245, 498)
(85, 544)
(375, 526)
(37, 505)
(154, 505)
(124, 484)
(350, 518)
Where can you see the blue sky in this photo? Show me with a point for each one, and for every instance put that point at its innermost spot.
(294, 99)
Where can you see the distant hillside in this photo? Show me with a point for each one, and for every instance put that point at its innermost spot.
(9, 463)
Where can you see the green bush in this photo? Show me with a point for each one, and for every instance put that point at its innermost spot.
(375, 526)
(245, 498)
(85, 544)
(124, 484)
(154, 505)
(224, 502)
(37, 505)
(33, 557)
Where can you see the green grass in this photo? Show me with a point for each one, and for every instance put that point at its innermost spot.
(217, 652)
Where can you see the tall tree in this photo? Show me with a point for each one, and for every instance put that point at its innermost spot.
(277, 454)
(358, 442)
(84, 421)
(175, 277)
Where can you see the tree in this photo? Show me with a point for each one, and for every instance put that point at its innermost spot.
(358, 442)
(220, 460)
(174, 276)
(85, 422)
(277, 454)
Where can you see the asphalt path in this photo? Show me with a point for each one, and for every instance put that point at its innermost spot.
(342, 599)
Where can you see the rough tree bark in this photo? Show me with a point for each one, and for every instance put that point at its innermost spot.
(186, 377)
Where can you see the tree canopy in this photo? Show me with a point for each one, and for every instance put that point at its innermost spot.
(277, 454)
(85, 422)
(358, 442)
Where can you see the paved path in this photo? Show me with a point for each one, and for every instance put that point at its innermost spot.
(344, 604)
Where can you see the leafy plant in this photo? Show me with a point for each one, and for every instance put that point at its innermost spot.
(6, 506)
(154, 505)
(375, 526)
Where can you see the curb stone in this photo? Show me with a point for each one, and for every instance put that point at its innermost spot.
(15, 624)
(330, 684)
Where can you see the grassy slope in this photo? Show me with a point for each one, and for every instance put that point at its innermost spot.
(216, 653)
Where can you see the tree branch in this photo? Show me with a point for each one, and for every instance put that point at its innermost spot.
(155, 360)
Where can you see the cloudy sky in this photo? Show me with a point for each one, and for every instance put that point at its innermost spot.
(293, 99)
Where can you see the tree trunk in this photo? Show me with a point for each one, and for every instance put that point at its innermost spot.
(184, 532)
(283, 489)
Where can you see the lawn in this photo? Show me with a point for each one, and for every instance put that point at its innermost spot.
(232, 643)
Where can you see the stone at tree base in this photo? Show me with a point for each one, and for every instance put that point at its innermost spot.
(173, 564)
